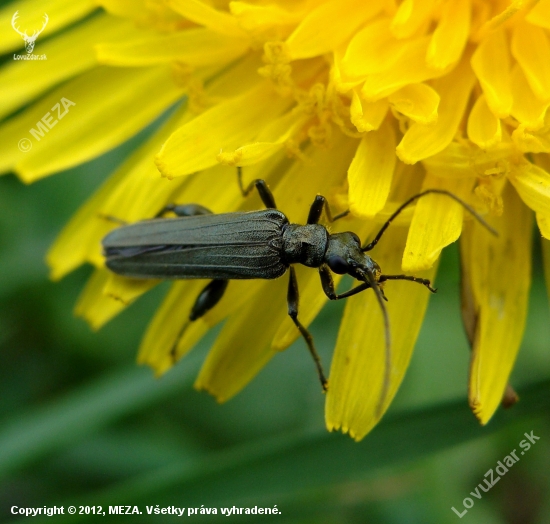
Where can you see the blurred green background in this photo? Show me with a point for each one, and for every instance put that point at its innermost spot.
(82, 424)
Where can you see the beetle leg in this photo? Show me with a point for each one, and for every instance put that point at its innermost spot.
(111, 218)
(180, 210)
(207, 299)
(316, 210)
(423, 281)
(292, 300)
(328, 285)
(263, 190)
(184, 210)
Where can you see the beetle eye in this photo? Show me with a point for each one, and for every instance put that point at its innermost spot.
(338, 264)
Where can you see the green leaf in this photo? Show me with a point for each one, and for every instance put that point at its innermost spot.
(60, 423)
(282, 468)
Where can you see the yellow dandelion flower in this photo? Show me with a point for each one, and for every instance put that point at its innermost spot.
(366, 103)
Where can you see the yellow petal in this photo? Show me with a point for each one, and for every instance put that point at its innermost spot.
(460, 159)
(436, 223)
(204, 188)
(529, 141)
(366, 116)
(270, 22)
(409, 67)
(502, 16)
(407, 181)
(236, 296)
(542, 161)
(197, 47)
(531, 48)
(235, 359)
(216, 84)
(491, 64)
(540, 14)
(454, 161)
(410, 17)
(484, 128)
(141, 193)
(79, 240)
(417, 101)
(162, 333)
(68, 54)
(203, 14)
(358, 366)
(125, 8)
(533, 185)
(126, 290)
(31, 17)
(271, 140)
(97, 307)
(371, 171)
(371, 50)
(422, 141)
(85, 122)
(228, 125)
(307, 40)
(501, 302)
(146, 14)
(297, 190)
(527, 108)
(169, 336)
(450, 35)
(543, 222)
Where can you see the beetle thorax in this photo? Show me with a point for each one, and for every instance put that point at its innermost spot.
(305, 244)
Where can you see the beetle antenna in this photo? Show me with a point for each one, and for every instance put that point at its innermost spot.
(469, 208)
(369, 278)
(423, 281)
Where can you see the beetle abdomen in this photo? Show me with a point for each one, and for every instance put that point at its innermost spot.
(226, 246)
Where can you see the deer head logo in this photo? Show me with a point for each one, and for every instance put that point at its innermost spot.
(29, 40)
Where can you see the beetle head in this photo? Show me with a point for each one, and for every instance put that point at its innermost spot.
(344, 256)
